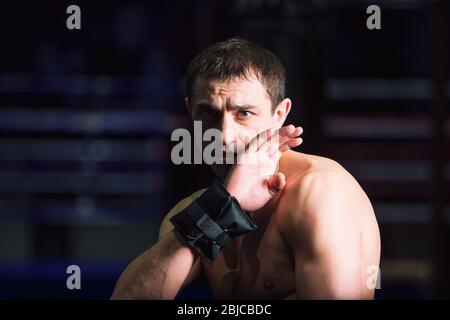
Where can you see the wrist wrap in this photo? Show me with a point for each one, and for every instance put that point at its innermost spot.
(211, 221)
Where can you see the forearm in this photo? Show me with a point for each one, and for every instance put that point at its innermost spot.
(158, 273)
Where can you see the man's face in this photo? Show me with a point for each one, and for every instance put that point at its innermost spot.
(239, 109)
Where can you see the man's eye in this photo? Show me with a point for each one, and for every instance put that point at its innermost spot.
(243, 114)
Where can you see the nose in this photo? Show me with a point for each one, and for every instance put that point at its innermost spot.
(227, 127)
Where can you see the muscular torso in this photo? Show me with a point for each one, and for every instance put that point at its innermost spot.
(260, 264)
(257, 265)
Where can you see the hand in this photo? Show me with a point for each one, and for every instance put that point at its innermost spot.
(253, 183)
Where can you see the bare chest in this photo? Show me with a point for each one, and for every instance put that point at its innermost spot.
(257, 265)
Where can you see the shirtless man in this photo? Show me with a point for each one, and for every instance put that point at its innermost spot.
(317, 234)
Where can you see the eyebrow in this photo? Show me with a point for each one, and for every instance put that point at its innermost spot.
(245, 107)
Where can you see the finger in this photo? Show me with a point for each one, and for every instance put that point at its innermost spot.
(265, 138)
(293, 143)
(286, 130)
(290, 131)
(272, 143)
(276, 183)
(270, 139)
(257, 141)
(280, 136)
(283, 147)
(285, 134)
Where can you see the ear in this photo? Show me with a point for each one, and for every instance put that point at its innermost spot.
(281, 112)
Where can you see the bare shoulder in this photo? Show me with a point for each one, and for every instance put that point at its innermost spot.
(306, 171)
(320, 188)
(166, 225)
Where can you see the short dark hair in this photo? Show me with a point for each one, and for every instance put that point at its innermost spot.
(239, 58)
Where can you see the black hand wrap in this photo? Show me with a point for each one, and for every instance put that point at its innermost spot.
(211, 221)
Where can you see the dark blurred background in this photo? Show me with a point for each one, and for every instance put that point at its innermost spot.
(86, 117)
